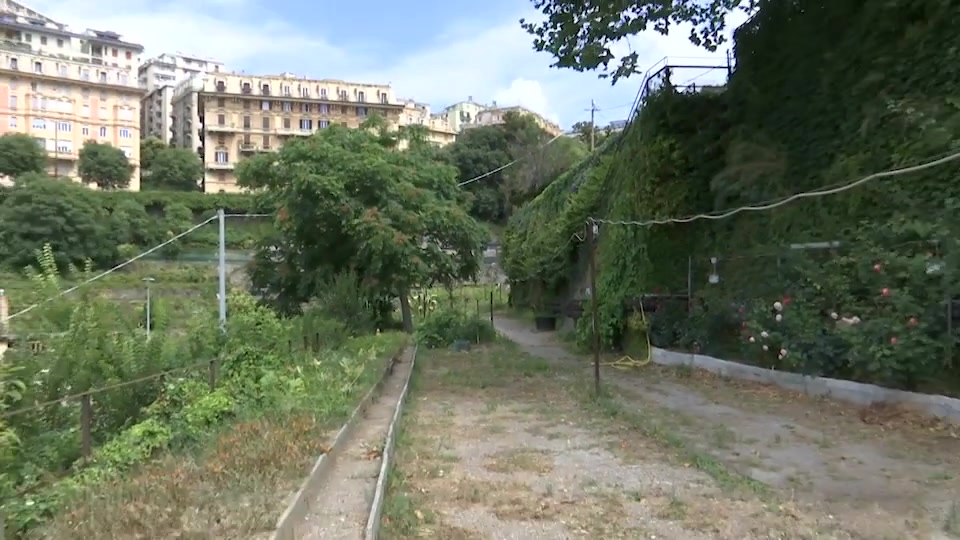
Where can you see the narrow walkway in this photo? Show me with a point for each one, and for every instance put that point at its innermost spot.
(340, 511)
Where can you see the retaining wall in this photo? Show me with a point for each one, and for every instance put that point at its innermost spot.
(857, 393)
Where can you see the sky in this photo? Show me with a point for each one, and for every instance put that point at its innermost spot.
(438, 52)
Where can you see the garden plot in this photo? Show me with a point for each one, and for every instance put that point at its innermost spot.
(881, 471)
(499, 444)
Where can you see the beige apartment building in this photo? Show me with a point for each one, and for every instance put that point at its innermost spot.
(64, 88)
(439, 131)
(495, 115)
(159, 77)
(227, 117)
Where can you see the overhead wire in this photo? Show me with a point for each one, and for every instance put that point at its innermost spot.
(502, 167)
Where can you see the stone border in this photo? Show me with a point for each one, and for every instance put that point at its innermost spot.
(379, 494)
(299, 504)
(941, 407)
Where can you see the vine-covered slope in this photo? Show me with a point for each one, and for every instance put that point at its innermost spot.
(823, 93)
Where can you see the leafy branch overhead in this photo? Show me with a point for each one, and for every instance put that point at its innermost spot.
(584, 34)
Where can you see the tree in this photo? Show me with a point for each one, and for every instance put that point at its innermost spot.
(519, 139)
(345, 202)
(104, 165)
(63, 214)
(174, 169)
(150, 147)
(581, 33)
(132, 225)
(583, 129)
(20, 154)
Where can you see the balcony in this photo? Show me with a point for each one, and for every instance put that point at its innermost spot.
(246, 89)
(216, 166)
(221, 87)
(265, 91)
(248, 147)
(229, 127)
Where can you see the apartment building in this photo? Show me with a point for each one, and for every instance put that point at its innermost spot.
(229, 116)
(495, 115)
(64, 87)
(463, 113)
(159, 77)
(439, 131)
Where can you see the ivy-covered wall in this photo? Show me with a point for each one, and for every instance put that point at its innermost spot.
(823, 93)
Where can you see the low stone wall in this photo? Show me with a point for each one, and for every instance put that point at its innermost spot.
(857, 393)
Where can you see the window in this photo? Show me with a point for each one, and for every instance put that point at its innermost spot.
(13, 103)
(62, 70)
(361, 96)
(286, 90)
(221, 103)
(39, 123)
(383, 98)
(221, 156)
(43, 40)
(361, 111)
(127, 151)
(85, 74)
(246, 105)
(125, 114)
(305, 107)
(85, 131)
(286, 123)
(221, 119)
(13, 121)
(287, 106)
(265, 105)
(306, 124)
(38, 67)
(124, 133)
(102, 76)
(28, 37)
(64, 127)
(323, 124)
(324, 109)
(13, 63)
(266, 122)
(123, 78)
(323, 93)
(65, 147)
(103, 112)
(60, 43)
(129, 55)
(246, 122)
(114, 53)
(304, 91)
(103, 132)
(266, 141)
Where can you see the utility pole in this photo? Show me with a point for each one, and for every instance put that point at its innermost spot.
(593, 125)
(595, 301)
(222, 295)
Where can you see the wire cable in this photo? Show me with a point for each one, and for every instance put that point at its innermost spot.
(108, 272)
(714, 216)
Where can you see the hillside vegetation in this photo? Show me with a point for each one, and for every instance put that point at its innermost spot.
(798, 114)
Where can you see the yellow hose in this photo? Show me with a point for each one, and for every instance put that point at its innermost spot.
(626, 361)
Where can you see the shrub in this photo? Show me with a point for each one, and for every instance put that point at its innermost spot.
(443, 327)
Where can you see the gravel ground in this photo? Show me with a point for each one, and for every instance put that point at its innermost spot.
(496, 444)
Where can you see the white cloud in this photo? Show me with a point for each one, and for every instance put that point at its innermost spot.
(494, 63)
(528, 94)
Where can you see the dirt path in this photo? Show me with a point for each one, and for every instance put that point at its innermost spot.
(340, 511)
(499, 444)
(884, 474)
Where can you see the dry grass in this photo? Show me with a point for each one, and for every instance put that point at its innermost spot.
(234, 488)
(497, 444)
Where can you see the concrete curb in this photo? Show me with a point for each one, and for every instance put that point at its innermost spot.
(942, 407)
(299, 504)
(379, 494)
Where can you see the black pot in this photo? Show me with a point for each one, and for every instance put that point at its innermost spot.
(545, 323)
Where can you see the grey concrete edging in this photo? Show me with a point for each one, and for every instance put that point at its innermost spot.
(941, 407)
(299, 504)
(379, 494)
